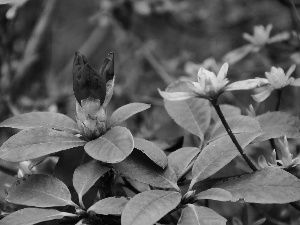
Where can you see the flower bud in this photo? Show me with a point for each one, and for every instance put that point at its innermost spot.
(188, 197)
(91, 118)
(87, 82)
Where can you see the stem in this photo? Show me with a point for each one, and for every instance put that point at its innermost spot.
(272, 141)
(215, 103)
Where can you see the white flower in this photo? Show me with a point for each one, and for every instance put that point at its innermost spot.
(277, 79)
(210, 85)
(261, 37)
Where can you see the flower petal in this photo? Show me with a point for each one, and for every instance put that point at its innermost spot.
(247, 84)
(237, 54)
(223, 72)
(279, 37)
(260, 97)
(290, 71)
(296, 82)
(177, 96)
(249, 38)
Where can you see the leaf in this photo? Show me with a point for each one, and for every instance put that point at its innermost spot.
(238, 124)
(193, 114)
(126, 111)
(112, 147)
(86, 175)
(181, 158)
(37, 142)
(217, 154)
(278, 124)
(267, 186)
(227, 110)
(42, 119)
(148, 207)
(199, 215)
(214, 194)
(39, 190)
(31, 216)
(109, 206)
(139, 167)
(64, 168)
(152, 151)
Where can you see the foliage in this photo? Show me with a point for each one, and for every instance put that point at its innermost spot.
(107, 174)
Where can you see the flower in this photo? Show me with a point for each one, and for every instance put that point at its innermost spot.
(261, 37)
(286, 157)
(93, 91)
(210, 85)
(277, 79)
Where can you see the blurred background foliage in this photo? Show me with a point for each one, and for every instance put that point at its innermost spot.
(152, 39)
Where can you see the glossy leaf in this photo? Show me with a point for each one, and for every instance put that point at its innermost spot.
(31, 216)
(86, 175)
(266, 186)
(278, 124)
(42, 119)
(199, 215)
(152, 151)
(140, 168)
(214, 194)
(148, 207)
(112, 147)
(181, 158)
(193, 114)
(217, 154)
(238, 124)
(64, 168)
(37, 142)
(126, 111)
(109, 206)
(39, 190)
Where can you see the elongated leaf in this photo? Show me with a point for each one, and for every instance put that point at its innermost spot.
(126, 111)
(148, 207)
(30, 216)
(181, 158)
(199, 215)
(152, 151)
(140, 168)
(193, 114)
(37, 142)
(278, 124)
(114, 146)
(266, 186)
(217, 154)
(217, 194)
(238, 124)
(86, 175)
(42, 119)
(39, 190)
(109, 206)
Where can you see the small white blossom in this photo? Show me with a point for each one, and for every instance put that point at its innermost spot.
(277, 79)
(210, 85)
(261, 37)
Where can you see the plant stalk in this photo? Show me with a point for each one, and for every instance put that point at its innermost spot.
(216, 105)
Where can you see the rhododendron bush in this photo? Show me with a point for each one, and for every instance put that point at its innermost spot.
(230, 164)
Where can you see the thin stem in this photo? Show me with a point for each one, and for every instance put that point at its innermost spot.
(272, 141)
(215, 103)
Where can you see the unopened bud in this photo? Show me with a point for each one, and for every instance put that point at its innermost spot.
(188, 197)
